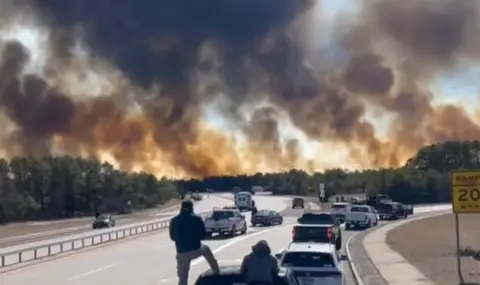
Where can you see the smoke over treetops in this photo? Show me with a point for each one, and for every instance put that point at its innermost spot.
(134, 81)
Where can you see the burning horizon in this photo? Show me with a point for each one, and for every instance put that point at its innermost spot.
(135, 82)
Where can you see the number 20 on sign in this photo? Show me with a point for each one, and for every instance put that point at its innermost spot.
(466, 191)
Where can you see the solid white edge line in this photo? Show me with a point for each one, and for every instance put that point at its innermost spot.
(356, 275)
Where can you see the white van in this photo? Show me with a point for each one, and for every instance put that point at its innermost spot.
(244, 201)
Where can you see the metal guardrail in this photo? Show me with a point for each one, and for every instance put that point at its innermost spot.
(55, 248)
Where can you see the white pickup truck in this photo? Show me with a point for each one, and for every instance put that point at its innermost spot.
(360, 216)
(225, 222)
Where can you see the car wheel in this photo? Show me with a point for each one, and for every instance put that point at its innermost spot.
(209, 235)
(233, 232)
(94, 227)
(244, 230)
(281, 221)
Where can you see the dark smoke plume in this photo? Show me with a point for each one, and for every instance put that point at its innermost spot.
(168, 59)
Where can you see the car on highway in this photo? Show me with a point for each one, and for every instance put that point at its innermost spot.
(196, 196)
(230, 275)
(391, 211)
(244, 201)
(338, 209)
(313, 263)
(318, 227)
(298, 202)
(360, 216)
(103, 221)
(225, 222)
(408, 209)
(266, 218)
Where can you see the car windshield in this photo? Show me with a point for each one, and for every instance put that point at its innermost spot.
(263, 213)
(308, 259)
(359, 209)
(220, 215)
(102, 217)
(322, 219)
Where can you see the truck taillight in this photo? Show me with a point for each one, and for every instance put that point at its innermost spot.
(293, 233)
(329, 233)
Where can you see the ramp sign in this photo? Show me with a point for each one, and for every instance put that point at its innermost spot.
(466, 192)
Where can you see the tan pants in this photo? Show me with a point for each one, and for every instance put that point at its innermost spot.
(184, 259)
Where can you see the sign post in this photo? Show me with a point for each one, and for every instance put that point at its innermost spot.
(465, 199)
(321, 194)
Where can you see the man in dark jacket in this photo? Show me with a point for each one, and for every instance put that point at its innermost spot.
(260, 267)
(187, 230)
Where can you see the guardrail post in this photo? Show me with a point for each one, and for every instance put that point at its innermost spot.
(35, 254)
(3, 260)
(49, 251)
(61, 247)
(20, 257)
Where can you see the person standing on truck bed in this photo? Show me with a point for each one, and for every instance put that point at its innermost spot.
(187, 230)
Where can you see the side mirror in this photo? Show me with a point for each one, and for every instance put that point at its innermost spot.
(278, 256)
(343, 257)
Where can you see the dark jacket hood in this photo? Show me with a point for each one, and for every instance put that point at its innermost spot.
(261, 248)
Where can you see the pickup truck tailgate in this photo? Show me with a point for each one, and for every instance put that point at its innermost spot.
(211, 223)
(355, 217)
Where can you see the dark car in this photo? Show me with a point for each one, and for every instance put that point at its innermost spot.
(298, 203)
(408, 209)
(318, 227)
(196, 196)
(267, 218)
(103, 221)
(390, 211)
(230, 275)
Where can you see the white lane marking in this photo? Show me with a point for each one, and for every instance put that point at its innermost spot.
(91, 272)
(164, 246)
(235, 241)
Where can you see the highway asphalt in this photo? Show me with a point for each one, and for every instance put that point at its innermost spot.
(150, 259)
(41, 236)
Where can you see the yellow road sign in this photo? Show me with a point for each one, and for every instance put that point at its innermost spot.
(466, 191)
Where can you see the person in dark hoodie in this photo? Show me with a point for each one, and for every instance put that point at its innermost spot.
(187, 230)
(260, 266)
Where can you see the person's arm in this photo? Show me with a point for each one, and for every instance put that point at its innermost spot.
(202, 232)
(172, 228)
(243, 267)
(275, 266)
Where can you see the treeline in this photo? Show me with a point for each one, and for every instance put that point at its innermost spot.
(58, 187)
(425, 178)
